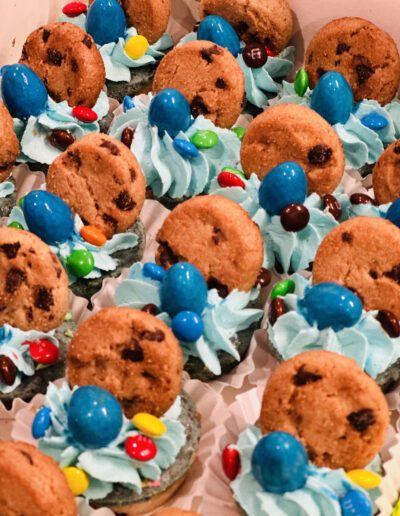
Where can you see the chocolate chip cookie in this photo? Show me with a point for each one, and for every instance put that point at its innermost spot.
(68, 61)
(149, 17)
(33, 284)
(101, 180)
(209, 77)
(365, 54)
(386, 175)
(9, 145)
(32, 483)
(290, 132)
(217, 236)
(171, 511)
(130, 353)
(269, 22)
(336, 410)
(363, 254)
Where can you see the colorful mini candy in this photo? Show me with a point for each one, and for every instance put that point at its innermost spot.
(77, 479)
(301, 82)
(185, 148)
(140, 447)
(228, 179)
(8, 370)
(80, 263)
(255, 55)
(128, 103)
(153, 271)
(375, 121)
(231, 463)
(105, 21)
(15, 225)
(93, 235)
(170, 112)
(393, 213)
(41, 422)
(74, 9)
(333, 98)
(43, 351)
(240, 132)
(282, 288)
(295, 217)
(187, 326)
(149, 424)
(204, 139)
(355, 503)
(136, 46)
(84, 114)
(218, 30)
(364, 478)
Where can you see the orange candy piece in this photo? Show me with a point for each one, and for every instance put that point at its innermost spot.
(93, 235)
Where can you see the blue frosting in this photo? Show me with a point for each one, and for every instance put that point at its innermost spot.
(117, 63)
(222, 318)
(318, 497)
(6, 188)
(103, 261)
(110, 465)
(361, 144)
(366, 342)
(368, 210)
(259, 82)
(167, 171)
(11, 346)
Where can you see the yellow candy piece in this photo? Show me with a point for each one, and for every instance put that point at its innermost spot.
(149, 425)
(136, 47)
(396, 510)
(77, 480)
(364, 478)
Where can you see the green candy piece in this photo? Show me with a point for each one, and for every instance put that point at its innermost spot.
(15, 225)
(204, 139)
(235, 171)
(80, 263)
(301, 82)
(239, 131)
(282, 288)
(21, 202)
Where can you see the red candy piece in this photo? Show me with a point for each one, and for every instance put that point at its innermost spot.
(43, 351)
(231, 463)
(269, 52)
(226, 179)
(140, 447)
(74, 9)
(84, 114)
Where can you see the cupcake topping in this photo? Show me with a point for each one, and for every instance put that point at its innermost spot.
(218, 30)
(105, 21)
(332, 98)
(74, 9)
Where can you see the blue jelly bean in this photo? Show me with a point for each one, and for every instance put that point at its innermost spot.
(153, 271)
(355, 503)
(393, 213)
(187, 326)
(170, 111)
(185, 149)
(128, 103)
(218, 30)
(333, 98)
(375, 121)
(41, 423)
(105, 21)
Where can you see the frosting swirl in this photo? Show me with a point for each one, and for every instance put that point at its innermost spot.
(166, 171)
(6, 188)
(222, 318)
(110, 465)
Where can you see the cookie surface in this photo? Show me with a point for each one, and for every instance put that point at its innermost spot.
(289, 132)
(149, 17)
(366, 55)
(132, 354)
(172, 511)
(33, 283)
(32, 483)
(67, 60)
(9, 145)
(363, 254)
(101, 180)
(386, 175)
(269, 22)
(209, 77)
(216, 235)
(331, 405)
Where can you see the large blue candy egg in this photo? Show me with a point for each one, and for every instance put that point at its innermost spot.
(94, 416)
(283, 185)
(279, 463)
(332, 98)
(187, 326)
(170, 111)
(393, 213)
(218, 30)
(23, 91)
(105, 21)
(48, 216)
(355, 503)
(329, 305)
(183, 288)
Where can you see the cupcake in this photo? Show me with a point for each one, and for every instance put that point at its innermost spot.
(131, 39)
(55, 93)
(205, 286)
(122, 425)
(315, 448)
(35, 327)
(179, 155)
(9, 150)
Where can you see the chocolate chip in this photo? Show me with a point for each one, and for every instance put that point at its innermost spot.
(222, 289)
(108, 219)
(394, 274)
(320, 72)
(276, 309)
(207, 53)
(396, 149)
(74, 65)
(10, 250)
(148, 375)
(330, 203)
(337, 63)
(364, 72)
(342, 47)
(373, 274)
(154, 336)
(150, 309)
(295, 217)
(134, 354)
(389, 323)
(310, 57)
(54, 56)
(198, 107)
(133, 174)
(43, 298)
(69, 91)
(45, 35)
(8, 371)
(347, 237)
(15, 277)
(87, 40)
(6, 165)
(220, 83)
(167, 256)
(127, 137)
(27, 456)
(242, 27)
(111, 147)
(61, 139)
(54, 94)
(360, 198)
(75, 157)
(217, 236)
(303, 377)
(124, 201)
(264, 278)
(320, 154)
(29, 314)
(24, 53)
(361, 419)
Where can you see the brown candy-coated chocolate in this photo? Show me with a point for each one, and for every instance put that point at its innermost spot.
(389, 323)
(360, 198)
(127, 137)
(61, 139)
(276, 309)
(255, 55)
(333, 205)
(295, 217)
(8, 371)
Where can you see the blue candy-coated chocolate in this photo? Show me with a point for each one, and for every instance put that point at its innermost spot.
(183, 288)
(41, 422)
(128, 103)
(170, 111)
(329, 305)
(105, 21)
(94, 416)
(187, 326)
(332, 98)
(153, 271)
(375, 121)
(355, 503)
(279, 463)
(393, 213)
(48, 216)
(218, 30)
(283, 185)
(185, 149)
(23, 91)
